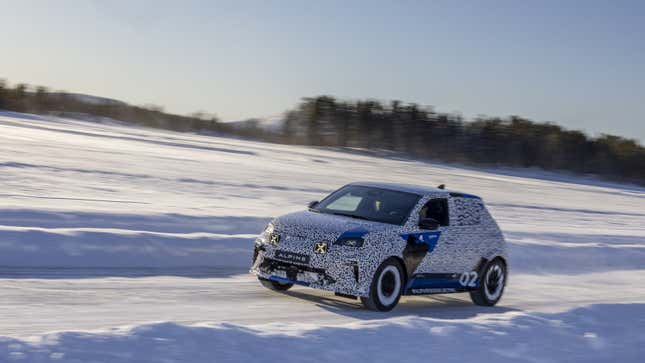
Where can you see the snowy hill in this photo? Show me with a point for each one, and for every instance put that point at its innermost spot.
(94, 100)
(129, 244)
(270, 123)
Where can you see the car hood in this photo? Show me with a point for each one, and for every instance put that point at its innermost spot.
(308, 225)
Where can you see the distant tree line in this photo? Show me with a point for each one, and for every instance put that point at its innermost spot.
(405, 128)
(40, 100)
(421, 132)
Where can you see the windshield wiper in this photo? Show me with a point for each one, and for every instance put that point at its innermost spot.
(350, 215)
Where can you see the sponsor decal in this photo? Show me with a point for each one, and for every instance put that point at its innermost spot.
(468, 279)
(433, 290)
(291, 257)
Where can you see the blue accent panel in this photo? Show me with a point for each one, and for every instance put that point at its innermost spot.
(429, 238)
(287, 281)
(354, 233)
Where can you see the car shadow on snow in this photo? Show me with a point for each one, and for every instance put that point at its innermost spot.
(453, 306)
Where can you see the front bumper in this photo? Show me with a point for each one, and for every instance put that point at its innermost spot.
(330, 272)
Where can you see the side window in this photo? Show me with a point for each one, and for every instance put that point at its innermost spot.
(467, 212)
(436, 209)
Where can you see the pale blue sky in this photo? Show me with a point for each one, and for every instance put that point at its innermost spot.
(578, 63)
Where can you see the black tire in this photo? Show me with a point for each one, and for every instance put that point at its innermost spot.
(274, 285)
(387, 286)
(491, 284)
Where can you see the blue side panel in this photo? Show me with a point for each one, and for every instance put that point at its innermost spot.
(434, 283)
(429, 238)
(438, 283)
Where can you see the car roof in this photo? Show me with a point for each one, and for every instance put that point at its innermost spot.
(416, 189)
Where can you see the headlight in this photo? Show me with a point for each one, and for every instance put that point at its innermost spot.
(350, 242)
(269, 229)
(270, 235)
(266, 234)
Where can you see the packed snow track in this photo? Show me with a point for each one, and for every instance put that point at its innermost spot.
(122, 244)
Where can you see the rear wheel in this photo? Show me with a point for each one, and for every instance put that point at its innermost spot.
(491, 284)
(386, 287)
(274, 285)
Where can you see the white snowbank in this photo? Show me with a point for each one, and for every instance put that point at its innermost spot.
(598, 333)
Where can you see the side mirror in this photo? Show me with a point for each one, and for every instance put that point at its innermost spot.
(313, 204)
(428, 223)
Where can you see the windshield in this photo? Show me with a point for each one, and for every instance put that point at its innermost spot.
(369, 203)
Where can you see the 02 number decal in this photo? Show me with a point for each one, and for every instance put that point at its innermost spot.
(468, 279)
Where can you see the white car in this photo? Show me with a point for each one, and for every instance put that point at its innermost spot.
(378, 241)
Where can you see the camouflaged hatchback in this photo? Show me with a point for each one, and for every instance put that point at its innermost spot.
(378, 241)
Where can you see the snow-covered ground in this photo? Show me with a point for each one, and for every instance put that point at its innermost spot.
(122, 244)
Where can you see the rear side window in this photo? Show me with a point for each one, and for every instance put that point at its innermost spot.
(467, 211)
(436, 209)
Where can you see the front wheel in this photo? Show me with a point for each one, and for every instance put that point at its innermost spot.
(491, 284)
(386, 287)
(274, 285)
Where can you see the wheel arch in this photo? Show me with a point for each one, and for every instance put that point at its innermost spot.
(501, 258)
(496, 254)
(485, 260)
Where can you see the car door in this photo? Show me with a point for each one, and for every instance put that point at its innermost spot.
(430, 250)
